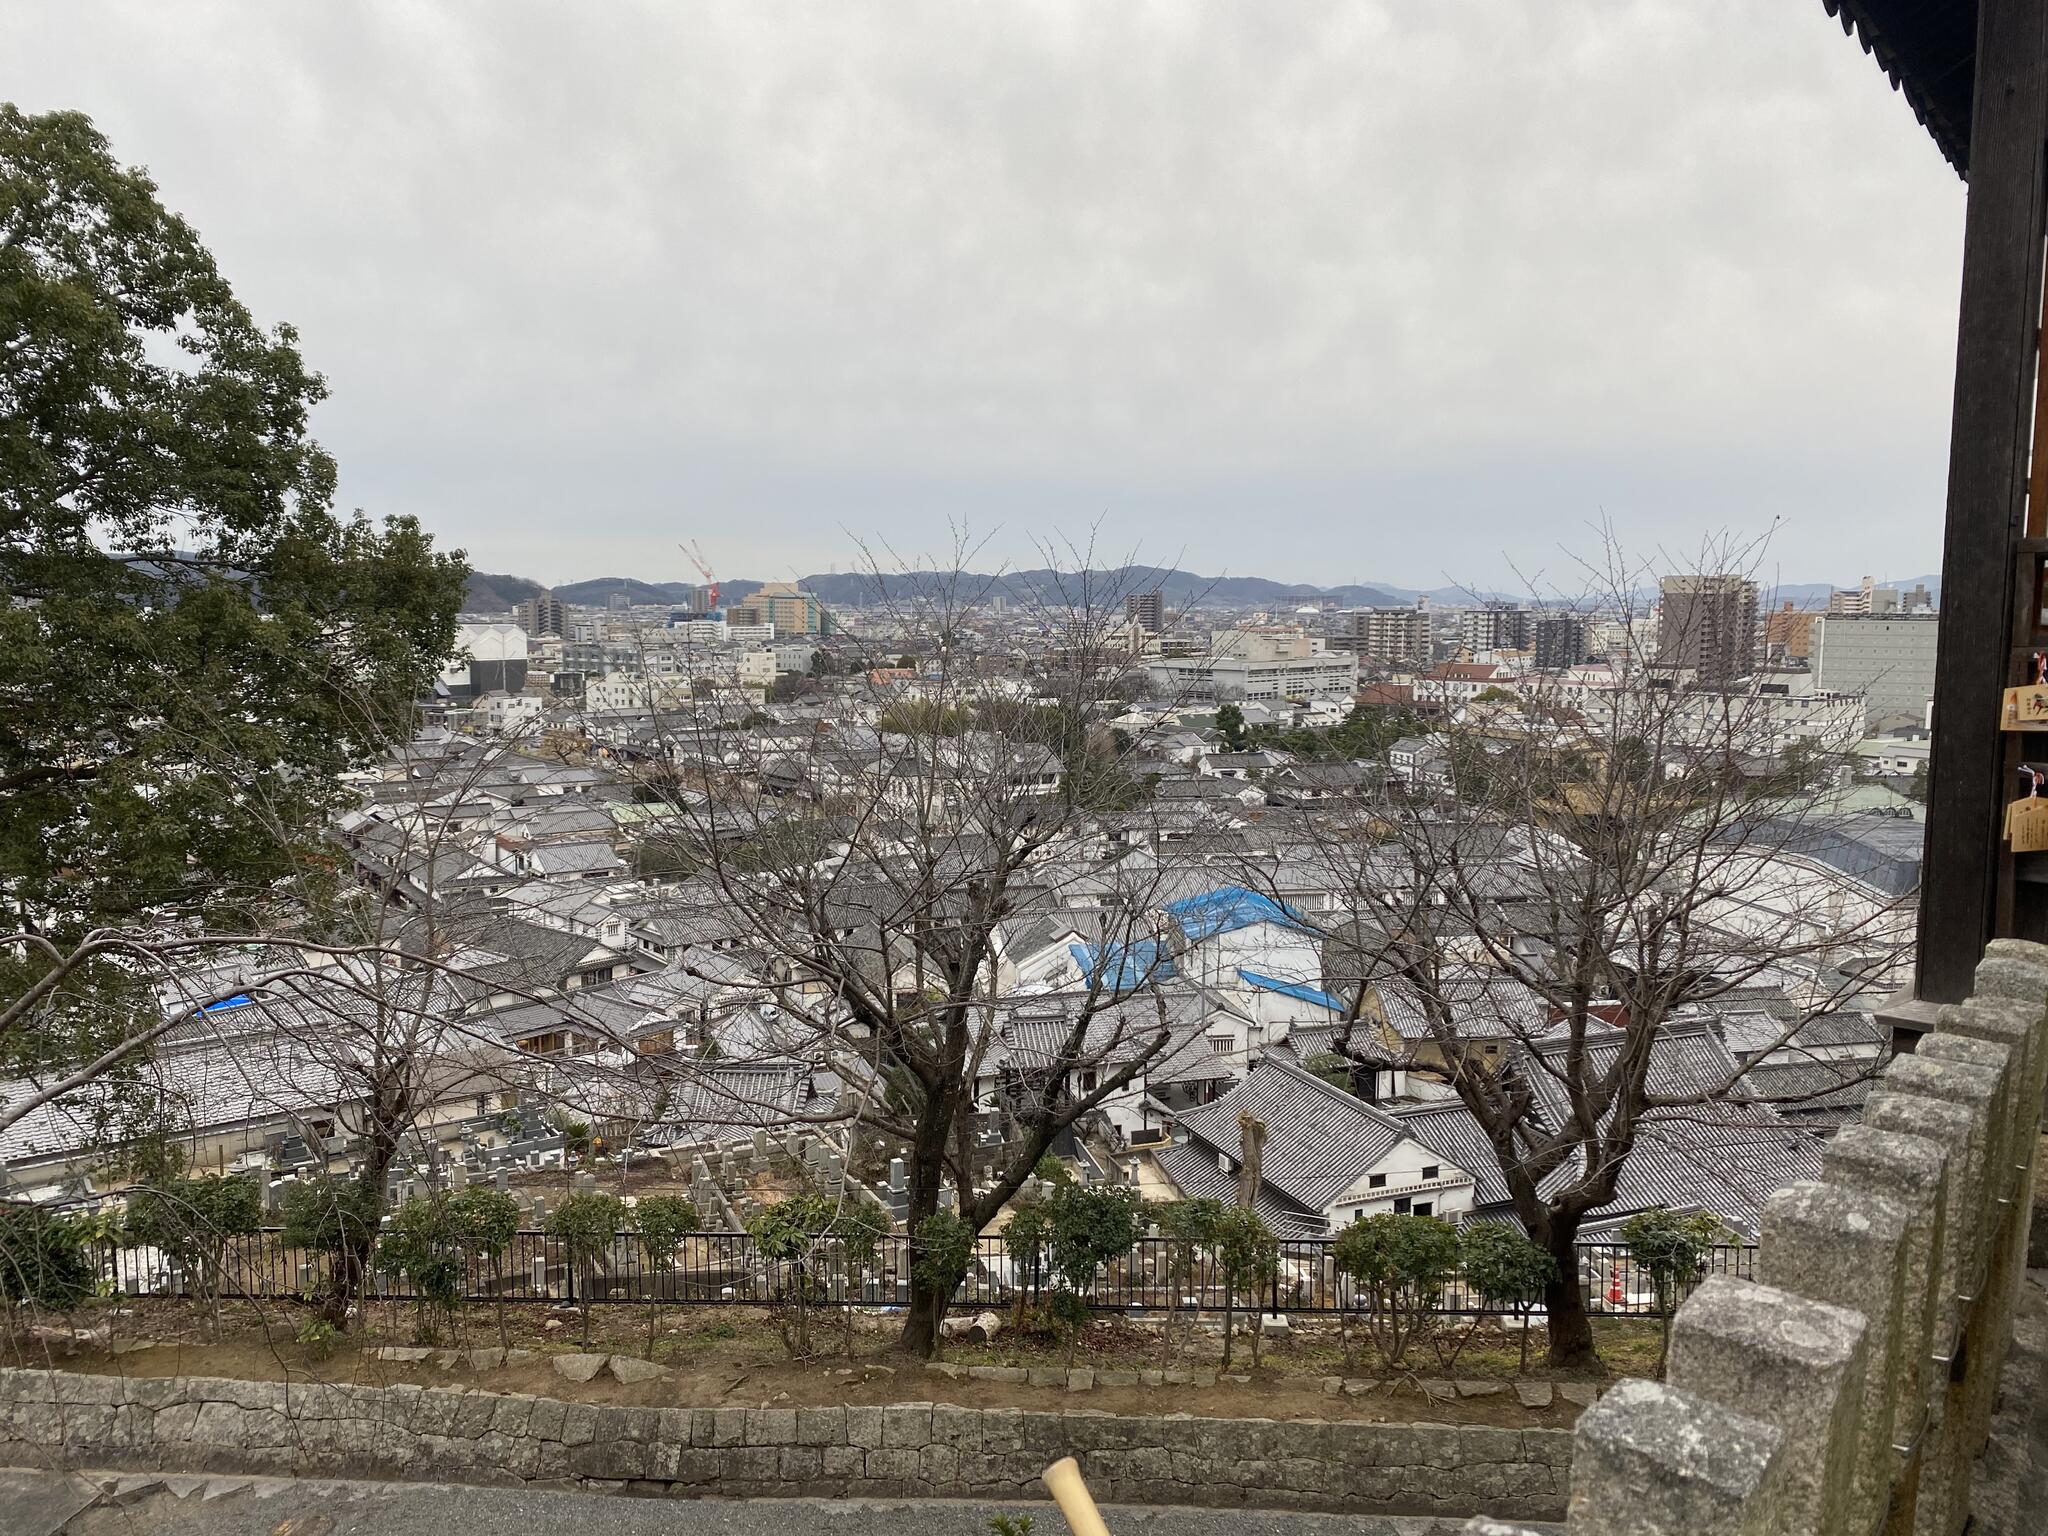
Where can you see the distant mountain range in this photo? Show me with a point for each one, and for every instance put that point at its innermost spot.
(490, 593)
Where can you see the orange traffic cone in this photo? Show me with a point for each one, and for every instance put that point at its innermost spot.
(1615, 1295)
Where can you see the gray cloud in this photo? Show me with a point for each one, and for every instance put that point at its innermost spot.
(1321, 291)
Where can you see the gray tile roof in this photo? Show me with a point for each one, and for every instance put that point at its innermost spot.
(1193, 1172)
(1483, 1005)
(1726, 1156)
(1320, 1141)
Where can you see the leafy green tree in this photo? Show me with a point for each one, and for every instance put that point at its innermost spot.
(587, 1226)
(941, 1246)
(192, 1221)
(46, 1260)
(1504, 1269)
(1026, 1237)
(858, 1228)
(193, 645)
(1189, 1227)
(786, 1234)
(335, 1221)
(1332, 1069)
(1671, 1249)
(575, 1138)
(486, 1222)
(1092, 1225)
(1230, 726)
(1400, 1263)
(661, 1223)
(421, 1243)
(1249, 1256)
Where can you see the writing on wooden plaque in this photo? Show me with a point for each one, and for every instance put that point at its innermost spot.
(2026, 709)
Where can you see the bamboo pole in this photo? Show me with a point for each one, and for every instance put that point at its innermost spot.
(1063, 1477)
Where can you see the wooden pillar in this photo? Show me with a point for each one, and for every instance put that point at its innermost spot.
(1987, 480)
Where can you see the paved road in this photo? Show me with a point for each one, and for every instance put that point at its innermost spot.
(237, 1506)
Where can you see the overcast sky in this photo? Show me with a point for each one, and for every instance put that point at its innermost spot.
(1407, 291)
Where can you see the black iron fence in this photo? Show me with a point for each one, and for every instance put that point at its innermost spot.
(726, 1269)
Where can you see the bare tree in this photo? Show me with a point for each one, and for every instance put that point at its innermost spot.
(1585, 862)
(365, 1008)
(876, 855)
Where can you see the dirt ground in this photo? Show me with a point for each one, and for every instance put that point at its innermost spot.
(734, 1357)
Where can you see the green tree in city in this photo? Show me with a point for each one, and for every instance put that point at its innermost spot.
(661, 1222)
(786, 1235)
(1026, 1237)
(334, 1220)
(1248, 1255)
(486, 1221)
(193, 644)
(421, 1243)
(192, 1222)
(1092, 1225)
(1230, 726)
(858, 1228)
(1400, 1265)
(46, 1260)
(1671, 1249)
(587, 1226)
(1189, 1227)
(1504, 1269)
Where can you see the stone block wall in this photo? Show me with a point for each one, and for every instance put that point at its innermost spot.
(1849, 1389)
(920, 1450)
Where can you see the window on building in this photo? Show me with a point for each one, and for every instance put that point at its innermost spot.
(1377, 1181)
(1425, 1208)
(1401, 1205)
(1432, 1170)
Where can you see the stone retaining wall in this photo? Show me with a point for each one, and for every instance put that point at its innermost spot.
(200, 1424)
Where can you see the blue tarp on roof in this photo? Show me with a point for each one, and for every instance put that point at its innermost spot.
(1294, 989)
(1123, 968)
(1227, 909)
(239, 1000)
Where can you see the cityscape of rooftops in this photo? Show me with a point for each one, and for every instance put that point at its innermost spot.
(736, 742)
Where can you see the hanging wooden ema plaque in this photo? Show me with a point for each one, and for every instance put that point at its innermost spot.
(2026, 709)
(2026, 819)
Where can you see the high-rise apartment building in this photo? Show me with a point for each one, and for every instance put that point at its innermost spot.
(1559, 641)
(1708, 627)
(1788, 633)
(1147, 610)
(540, 614)
(1866, 598)
(1396, 636)
(1496, 627)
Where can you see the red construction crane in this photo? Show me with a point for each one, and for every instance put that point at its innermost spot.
(696, 558)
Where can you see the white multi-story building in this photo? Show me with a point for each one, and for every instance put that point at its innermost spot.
(1888, 658)
(1761, 714)
(1275, 663)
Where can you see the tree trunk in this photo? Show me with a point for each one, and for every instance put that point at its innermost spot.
(921, 1324)
(920, 1337)
(352, 1263)
(1571, 1331)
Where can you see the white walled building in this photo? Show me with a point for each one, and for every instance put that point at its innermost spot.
(1888, 658)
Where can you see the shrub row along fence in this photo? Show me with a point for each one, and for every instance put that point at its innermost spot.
(726, 1269)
